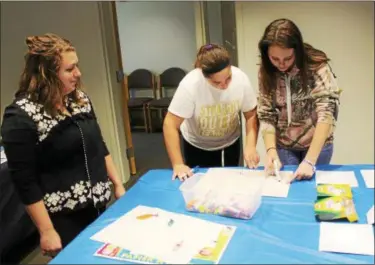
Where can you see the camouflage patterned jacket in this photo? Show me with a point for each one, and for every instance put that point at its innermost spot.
(293, 113)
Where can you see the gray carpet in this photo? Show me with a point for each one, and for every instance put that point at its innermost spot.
(149, 151)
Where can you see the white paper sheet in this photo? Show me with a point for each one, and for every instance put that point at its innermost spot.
(370, 216)
(155, 237)
(346, 238)
(274, 188)
(242, 180)
(368, 177)
(336, 177)
(230, 180)
(3, 158)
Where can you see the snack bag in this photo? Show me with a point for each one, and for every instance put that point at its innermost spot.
(334, 209)
(334, 190)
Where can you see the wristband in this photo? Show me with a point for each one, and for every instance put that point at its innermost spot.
(270, 149)
(310, 163)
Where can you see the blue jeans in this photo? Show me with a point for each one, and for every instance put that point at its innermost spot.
(295, 157)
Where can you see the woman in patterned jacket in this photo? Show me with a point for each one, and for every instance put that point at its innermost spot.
(298, 100)
(57, 158)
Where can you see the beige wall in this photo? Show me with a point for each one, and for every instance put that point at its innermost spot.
(345, 31)
(153, 34)
(82, 23)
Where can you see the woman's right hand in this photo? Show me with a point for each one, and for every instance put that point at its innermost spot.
(182, 172)
(271, 157)
(50, 242)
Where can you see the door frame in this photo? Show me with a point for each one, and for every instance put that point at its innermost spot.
(200, 24)
(125, 93)
(241, 43)
(108, 22)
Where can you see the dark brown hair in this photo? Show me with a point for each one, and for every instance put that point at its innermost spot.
(212, 58)
(284, 33)
(39, 78)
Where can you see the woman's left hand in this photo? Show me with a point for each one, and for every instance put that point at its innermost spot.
(119, 191)
(251, 157)
(304, 171)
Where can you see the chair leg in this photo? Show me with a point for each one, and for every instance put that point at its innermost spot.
(160, 113)
(149, 119)
(162, 117)
(131, 119)
(145, 118)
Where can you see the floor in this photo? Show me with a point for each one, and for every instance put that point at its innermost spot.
(149, 152)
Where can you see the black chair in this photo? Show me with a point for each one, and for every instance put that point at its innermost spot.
(167, 84)
(140, 80)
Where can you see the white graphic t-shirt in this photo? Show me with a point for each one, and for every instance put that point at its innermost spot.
(211, 114)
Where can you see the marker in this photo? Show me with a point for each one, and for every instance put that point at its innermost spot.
(276, 166)
(195, 169)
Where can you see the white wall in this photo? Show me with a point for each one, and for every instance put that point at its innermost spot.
(84, 28)
(157, 35)
(345, 31)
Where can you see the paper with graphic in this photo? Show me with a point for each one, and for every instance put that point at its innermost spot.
(210, 254)
(167, 236)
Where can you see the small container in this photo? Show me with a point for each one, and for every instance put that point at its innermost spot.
(214, 201)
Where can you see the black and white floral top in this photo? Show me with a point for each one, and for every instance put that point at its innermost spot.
(60, 160)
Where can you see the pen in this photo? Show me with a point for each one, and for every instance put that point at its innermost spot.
(277, 172)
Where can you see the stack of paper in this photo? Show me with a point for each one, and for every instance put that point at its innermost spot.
(336, 177)
(368, 176)
(346, 238)
(170, 237)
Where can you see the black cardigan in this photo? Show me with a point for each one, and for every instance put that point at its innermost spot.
(60, 160)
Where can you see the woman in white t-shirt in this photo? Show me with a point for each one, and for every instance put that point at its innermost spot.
(206, 108)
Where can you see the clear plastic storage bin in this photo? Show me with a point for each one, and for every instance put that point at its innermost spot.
(214, 201)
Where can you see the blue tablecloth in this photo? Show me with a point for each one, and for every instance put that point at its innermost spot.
(283, 231)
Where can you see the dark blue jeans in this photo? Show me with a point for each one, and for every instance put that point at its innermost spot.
(295, 157)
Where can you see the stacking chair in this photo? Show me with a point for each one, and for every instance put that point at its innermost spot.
(167, 84)
(140, 82)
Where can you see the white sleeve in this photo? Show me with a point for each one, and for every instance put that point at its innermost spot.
(250, 100)
(182, 103)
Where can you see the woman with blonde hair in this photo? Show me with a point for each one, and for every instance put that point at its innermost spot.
(298, 100)
(57, 158)
(205, 108)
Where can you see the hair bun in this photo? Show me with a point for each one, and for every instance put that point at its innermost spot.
(30, 42)
(41, 44)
